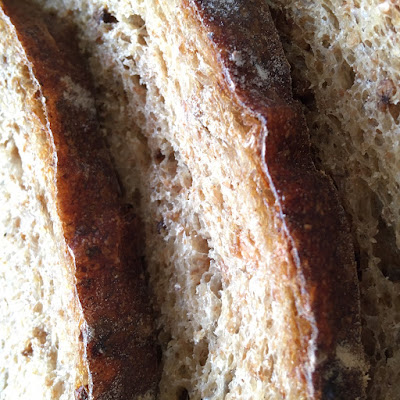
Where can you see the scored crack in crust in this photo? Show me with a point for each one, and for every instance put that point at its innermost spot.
(118, 356)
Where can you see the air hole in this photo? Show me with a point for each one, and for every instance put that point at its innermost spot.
(38, 307)
(351, 59)
(159, 157)
(386, 249)
(183, 394)
(389, 353)
(202, 352)
(172, 165)
(107, 18)
(369, 341)
(125, 38)
(351, 76)
(326, 41)
(28, 351)
(58, 389)
(17, 222)
(216, 286)
(136, 21)
(40, 334)
(390, 24)
(207, 277)
(142, 36)
(394, 110)
(374, 122)
(140, 88)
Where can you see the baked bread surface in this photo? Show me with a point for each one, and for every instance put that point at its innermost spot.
(307, 200)
(223, 254)
(96, 236)
(249, 254)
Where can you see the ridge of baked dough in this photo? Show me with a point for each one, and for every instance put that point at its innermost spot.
(313, 218)
(99, 235)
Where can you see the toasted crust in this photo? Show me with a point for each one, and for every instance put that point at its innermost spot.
(307, 202)
(103, 235)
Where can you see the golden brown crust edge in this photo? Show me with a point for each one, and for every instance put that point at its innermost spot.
(103, 234)
(308, 204)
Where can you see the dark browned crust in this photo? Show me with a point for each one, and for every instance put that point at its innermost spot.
(308, 204)
(104, 235)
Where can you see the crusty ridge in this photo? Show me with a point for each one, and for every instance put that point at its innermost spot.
(307, 201)
(101, 233)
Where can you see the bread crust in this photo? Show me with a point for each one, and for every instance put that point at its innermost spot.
(103, 235)
(313, 220)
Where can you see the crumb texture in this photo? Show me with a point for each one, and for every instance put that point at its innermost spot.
(39, 347)
(234, 321)
(224, 281)
(185, 153)
(345, 69)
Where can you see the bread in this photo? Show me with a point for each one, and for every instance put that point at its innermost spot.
(75, 315)
(248, 250)
(344, 61)
(247, 247)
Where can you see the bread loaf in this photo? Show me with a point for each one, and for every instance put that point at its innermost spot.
(75, 315)
(248, 251)
(345, 65)
(249, 256)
